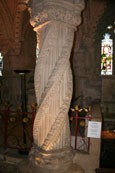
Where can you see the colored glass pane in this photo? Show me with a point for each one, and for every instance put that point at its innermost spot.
(37, 52)
(106, 55)
(1, 64)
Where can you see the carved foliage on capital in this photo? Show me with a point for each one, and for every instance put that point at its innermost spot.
(63, 11)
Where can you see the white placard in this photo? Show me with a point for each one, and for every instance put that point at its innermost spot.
(94, 129)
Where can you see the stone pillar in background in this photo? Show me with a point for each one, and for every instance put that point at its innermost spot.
(54, 22)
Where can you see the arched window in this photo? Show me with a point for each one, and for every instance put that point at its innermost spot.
(107, 55)
(1, 64)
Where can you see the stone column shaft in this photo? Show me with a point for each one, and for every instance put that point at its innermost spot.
(54, 22)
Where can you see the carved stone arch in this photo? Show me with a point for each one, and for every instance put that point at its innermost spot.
(29, 40)
(6, 17)
(3, 37)
(6, 28)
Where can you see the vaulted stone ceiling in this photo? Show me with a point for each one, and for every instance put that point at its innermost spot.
(16, 33)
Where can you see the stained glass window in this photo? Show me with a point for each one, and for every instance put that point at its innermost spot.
(37, 52)
(107, 55)
(1, 64)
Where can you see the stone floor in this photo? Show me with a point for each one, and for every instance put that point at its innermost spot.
(8, 168)
(10, 160)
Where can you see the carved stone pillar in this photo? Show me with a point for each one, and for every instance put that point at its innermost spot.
(54, 22)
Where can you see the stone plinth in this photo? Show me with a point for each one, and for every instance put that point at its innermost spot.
(54, 161)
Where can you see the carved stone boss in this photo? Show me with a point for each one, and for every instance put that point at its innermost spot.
(54, 22)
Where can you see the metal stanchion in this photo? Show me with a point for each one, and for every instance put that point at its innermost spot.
(22, 74)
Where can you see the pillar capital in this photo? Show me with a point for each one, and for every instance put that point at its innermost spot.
(66, 11)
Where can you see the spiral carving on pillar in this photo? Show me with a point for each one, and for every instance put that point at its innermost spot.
(53, 85)
(54, 23)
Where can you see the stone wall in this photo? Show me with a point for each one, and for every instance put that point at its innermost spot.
(10, 90)
(108, 97)
(85, 62)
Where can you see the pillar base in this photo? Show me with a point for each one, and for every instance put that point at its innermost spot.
(60, 161)
(26, 167)
(51, 160)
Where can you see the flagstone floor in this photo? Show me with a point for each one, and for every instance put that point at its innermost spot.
(10, 160)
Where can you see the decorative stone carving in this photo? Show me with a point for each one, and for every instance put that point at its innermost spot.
(54, 23)
(22, 4)
(59, 10)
